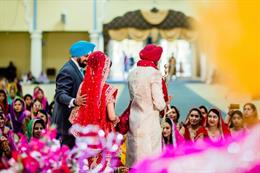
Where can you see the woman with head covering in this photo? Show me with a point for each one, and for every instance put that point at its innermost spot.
(39, 95)
(170, 134)
(250, 115)
(216, 131)
(100, 100)
(236, 125)
(34, 129)
(17, 114)
(147, 100)
(4, 101)
(4, 130)
(204, 112)
(100, 96)
(36, 106)
(12, 92)
(42, 114)
(6, 135)
(192, 124)
(5, 148)
(28, 99)
(174, 115)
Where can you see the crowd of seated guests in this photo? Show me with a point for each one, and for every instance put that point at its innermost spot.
(20, 114)
(30, 114)
(208, 126)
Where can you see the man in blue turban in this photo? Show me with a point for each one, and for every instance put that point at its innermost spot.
(68, 81)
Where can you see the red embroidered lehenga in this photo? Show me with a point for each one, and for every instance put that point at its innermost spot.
(98, 94)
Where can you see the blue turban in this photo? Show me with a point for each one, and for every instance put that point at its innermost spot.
(81, 48)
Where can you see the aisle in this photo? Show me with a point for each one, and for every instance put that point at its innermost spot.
(183, 97)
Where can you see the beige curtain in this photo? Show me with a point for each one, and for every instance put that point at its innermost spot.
(171, 34)
(154, 18)
(119, 34)
(137, 34)
(141, 35)
(189, 35)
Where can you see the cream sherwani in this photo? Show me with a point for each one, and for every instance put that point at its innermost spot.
(144, 136)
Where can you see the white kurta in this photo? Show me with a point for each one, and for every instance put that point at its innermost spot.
(144, 136)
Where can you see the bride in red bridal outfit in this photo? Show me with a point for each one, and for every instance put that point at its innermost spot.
(100, 96)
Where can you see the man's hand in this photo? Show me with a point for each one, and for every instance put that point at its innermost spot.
(80, 100)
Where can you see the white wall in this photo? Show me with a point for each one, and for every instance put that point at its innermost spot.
(16, 15)
(78, 12)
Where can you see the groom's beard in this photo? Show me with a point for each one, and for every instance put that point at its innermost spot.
(82, 64)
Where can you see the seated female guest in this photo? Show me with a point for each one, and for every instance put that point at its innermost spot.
(5, 148)
(17, 114)
(42, 114)
(237, 123)
(215, 131)
(28, 99)
(174, 115)
(35, 128)
(37, 105)
(4, 102)
(170, 134)
(39, 95)
(204, 112)
(193, 123)
(4, 130)
(250, 115)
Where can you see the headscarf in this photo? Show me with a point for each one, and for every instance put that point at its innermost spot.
(47, 124)
(10, 87)
(5, 106)
(16, 121)
(223, 128)
(187, 124)
(24, 98)
(31, 125)
(225, 132)
(43, 101)
(176, 138)
(4, 117)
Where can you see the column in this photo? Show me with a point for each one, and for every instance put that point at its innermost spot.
(36, 53)
(94, 38)
(36, 44)
(97, 24)
(195, 67)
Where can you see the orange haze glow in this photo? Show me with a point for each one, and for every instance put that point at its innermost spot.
(231, 38)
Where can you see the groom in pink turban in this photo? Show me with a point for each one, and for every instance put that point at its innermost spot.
(147, 100)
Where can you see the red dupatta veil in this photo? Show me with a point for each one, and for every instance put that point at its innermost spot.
(97, 93)
(222, 126)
